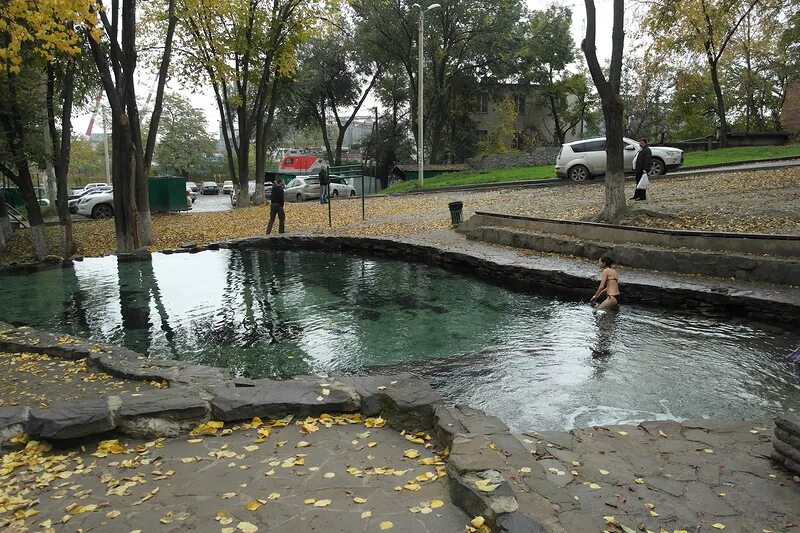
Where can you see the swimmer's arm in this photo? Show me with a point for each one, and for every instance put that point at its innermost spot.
(602, 288)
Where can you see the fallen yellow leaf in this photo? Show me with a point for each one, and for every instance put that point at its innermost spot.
(486, 485)
(718, 526)
(322, 503)
(478, 521)
(386, 525)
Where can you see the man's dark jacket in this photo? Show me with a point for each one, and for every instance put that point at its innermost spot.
(644, 159)
(276, 195)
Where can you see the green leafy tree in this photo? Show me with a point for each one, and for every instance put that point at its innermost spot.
(184, 146)
(465, 42)
(647, 86)
(246, 50)
(693, 105)
(496, 141)
(334, 75)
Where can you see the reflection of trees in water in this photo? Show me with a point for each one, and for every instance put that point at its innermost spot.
(138, 291)
(250, 317)
(75, 300)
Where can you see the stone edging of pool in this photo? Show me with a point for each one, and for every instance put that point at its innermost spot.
(197, 394)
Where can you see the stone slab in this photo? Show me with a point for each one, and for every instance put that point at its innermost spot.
(69, 420)
(301, 397)
(788, 438)
(490, 505)
(789, 422)
(404, 399)
(169, 404)
(517, 522)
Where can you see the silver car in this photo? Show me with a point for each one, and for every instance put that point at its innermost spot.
(302, 188)
(584, 159)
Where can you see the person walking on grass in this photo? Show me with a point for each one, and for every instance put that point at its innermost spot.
(323, 185)
(643, 161)
(276, 207)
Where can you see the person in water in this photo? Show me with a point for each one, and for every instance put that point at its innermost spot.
(609, 285)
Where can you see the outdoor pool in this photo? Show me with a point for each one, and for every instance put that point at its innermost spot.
(538, 363)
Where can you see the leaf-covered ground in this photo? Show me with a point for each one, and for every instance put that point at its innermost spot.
(332, 473)
(38, 380)
(762, 201)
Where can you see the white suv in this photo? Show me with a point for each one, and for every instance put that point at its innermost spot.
(100, 205)
(584, 159)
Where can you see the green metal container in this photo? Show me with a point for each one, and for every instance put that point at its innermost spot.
(167, 193)
(13, 197)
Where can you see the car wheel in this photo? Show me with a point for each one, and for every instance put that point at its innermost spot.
(102, 211)
(352, 193)
(299, 197)
(335, 193)
(579, 173)
(657, 168)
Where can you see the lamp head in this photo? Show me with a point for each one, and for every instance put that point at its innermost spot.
(417, 5)
(433, 6)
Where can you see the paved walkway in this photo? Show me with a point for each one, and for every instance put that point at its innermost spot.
(302, 477)
(662, 476)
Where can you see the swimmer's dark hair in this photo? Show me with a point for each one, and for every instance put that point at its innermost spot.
(607, 261)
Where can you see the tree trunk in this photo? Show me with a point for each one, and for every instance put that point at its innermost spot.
(123, 165)
(61, 150)
(615, 204)
(723, 121)
(34, 212)
(5, 223)
(261, 162)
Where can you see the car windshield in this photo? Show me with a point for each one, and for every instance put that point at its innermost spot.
(295, 183)
(209, 184)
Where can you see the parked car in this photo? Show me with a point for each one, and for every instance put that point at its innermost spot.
(340, 187)
(86, 188)
(72, 203)
(252, 190)
(302, 188)
(227, 187)
(209, 187)
(585, 159)
(100, 205)
(191, 192)
(192, 185)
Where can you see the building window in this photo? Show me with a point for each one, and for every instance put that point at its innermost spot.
(484, 104)
(519, 104)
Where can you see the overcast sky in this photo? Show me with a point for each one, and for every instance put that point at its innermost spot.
(203, 98)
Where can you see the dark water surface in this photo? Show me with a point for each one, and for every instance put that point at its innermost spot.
(536, 362)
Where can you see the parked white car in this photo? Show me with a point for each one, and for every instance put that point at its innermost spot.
(302, 188)
(340, 188)
(73, 202)
(584, 159)
(100, 205)
(86, 188)
(227, 187)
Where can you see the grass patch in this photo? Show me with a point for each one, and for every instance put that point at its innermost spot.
(472, 177)
(744, 153)
(692, 159)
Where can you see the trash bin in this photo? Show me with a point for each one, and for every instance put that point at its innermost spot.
(455, 212)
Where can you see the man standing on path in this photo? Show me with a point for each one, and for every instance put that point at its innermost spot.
(276, 207)
(323, 185)
(643, 162)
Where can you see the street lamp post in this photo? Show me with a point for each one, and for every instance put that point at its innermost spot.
(420, 129)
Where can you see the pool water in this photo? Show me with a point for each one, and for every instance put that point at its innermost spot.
(538, 363)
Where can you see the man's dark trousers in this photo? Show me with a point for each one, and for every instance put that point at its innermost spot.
(276, 210)
(639, 194)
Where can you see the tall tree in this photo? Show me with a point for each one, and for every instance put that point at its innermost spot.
(466, 42)
(112, 38)
(33, 33)
(245, 49)
(184, 146)
(612, 105)
(704, 27)
(333, 76)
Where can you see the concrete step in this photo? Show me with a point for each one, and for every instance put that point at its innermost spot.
(743, 267)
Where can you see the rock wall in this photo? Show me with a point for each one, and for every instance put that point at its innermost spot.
(540, 155)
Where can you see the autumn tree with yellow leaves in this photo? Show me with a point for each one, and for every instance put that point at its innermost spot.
(34, 34)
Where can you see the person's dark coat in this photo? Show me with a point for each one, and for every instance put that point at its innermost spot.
(323, 177)
(276, 195)
(644, 159)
